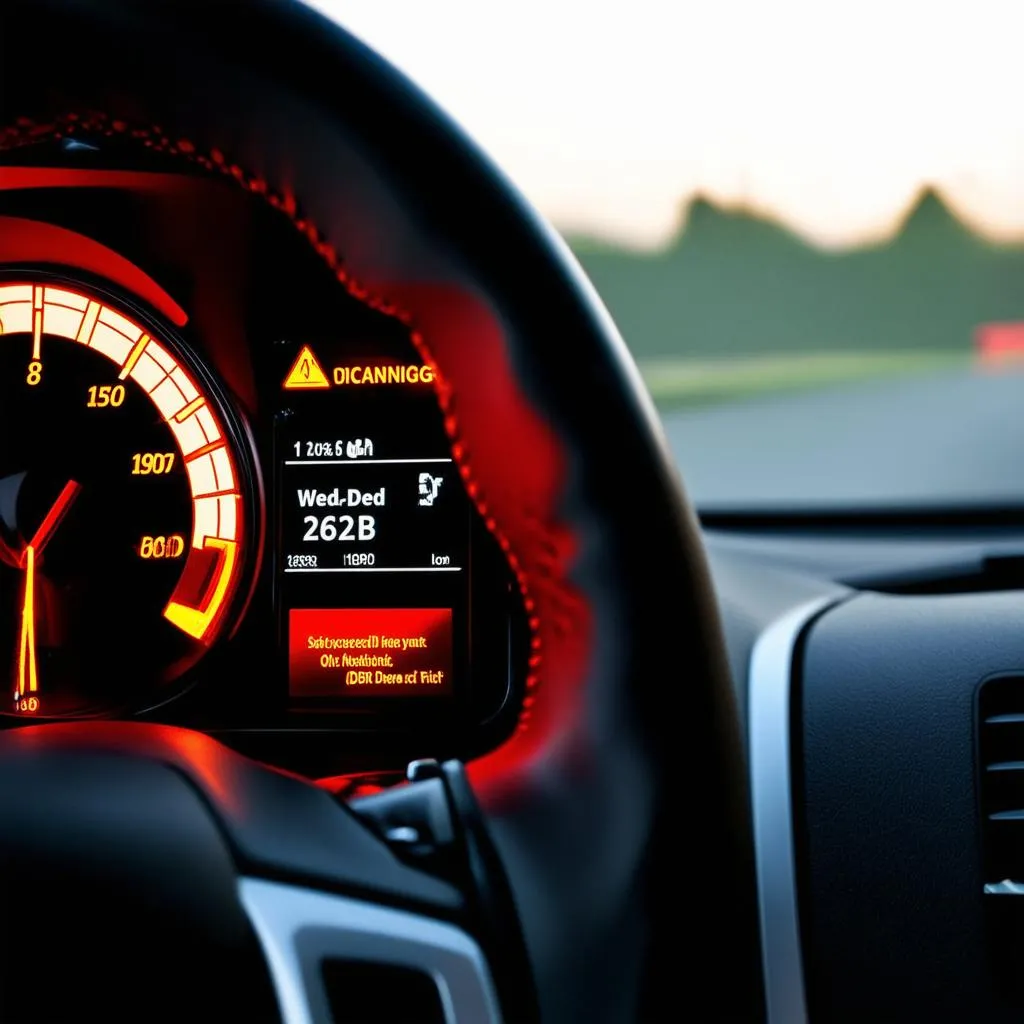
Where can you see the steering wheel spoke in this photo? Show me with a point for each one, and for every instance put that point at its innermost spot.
(305, 934)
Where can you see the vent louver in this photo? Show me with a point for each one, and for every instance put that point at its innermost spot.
(1000, 736)
(1001, 764)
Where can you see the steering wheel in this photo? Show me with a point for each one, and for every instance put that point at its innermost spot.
(153, 873)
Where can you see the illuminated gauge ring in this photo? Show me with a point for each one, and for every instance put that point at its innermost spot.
(212, 445)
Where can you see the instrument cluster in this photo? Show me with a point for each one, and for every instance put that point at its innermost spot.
(228, 499)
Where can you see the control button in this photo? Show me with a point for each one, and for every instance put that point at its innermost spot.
(405, 834)
(426, 768)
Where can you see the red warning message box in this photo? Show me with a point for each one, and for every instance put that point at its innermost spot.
(369, 652)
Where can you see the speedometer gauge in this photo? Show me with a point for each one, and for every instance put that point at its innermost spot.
(122, 504)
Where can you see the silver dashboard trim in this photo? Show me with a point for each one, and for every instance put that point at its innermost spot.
(768, 725)
(1007, 887)
(299, 928)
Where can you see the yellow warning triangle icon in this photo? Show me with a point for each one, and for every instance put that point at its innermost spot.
(305, 373)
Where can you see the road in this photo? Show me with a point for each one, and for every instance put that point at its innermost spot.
(951, 437)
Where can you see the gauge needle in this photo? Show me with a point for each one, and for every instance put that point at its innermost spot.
(28, 681)
(53, 518)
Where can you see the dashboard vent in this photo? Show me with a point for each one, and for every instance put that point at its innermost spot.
(1000, 733)
(1001, 763)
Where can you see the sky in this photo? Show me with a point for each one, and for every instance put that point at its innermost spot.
(829, 115)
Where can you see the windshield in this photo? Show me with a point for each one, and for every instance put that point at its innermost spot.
(806, 219)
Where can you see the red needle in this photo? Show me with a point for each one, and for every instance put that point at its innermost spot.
(53, 518)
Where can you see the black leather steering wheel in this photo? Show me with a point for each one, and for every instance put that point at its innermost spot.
(154, 874)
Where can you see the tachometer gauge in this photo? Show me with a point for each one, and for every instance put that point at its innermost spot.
(123, 508)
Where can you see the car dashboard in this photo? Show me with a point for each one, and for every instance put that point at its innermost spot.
(231, 501)
(879, 668)
(326, 612)
(240, 496)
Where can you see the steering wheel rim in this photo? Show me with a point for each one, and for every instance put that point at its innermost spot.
(633, 725)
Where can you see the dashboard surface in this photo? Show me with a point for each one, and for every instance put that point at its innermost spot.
(884, 756)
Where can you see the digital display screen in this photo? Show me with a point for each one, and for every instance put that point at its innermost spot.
(368, 513)
(369, 651)
(374, 534)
